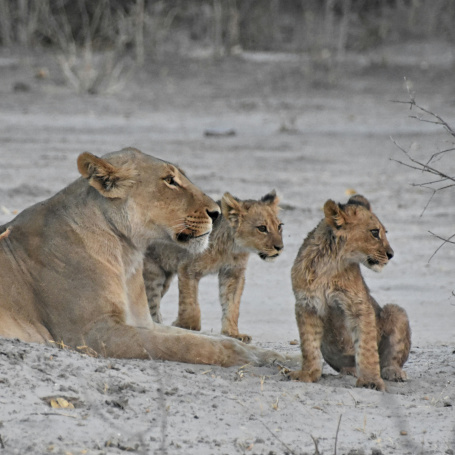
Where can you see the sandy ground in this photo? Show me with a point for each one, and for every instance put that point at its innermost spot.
(309, 136)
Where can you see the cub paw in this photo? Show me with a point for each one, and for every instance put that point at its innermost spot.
(348, 371)
(239, 336)
(373, 383)
(394, 373)
(305, 376)
(189, 325)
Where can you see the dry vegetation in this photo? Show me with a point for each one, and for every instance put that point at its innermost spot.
(98, 44)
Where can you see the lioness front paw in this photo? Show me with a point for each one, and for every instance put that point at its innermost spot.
(305, 376)
(373, 383)
(394, 373)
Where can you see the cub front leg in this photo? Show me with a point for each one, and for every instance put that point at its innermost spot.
(157, 283)
(361, 322)
(231, 283)
(189, 316)
(310, 327)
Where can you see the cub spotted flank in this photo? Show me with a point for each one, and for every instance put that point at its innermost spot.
(336, 315)
(246, 226)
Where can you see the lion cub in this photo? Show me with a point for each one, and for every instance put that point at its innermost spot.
(245, 227)
(336, 315)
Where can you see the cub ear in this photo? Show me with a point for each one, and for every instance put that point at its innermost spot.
(358, 199)
(111, 181)
(232, 209)
(334, 215)
(271, 198)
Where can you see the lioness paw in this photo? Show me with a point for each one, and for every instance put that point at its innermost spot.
(305, 376)
(374, 383)
(394, 373)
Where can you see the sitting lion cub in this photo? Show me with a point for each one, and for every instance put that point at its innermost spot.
(335, 312)
(244, 227)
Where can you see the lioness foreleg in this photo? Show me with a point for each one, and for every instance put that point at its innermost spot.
(231, 284)
(395, 342)
(113, 339)
(310, 327)
(361, 322)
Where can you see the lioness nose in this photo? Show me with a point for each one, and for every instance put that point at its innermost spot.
(278, 247)
(213, 214)
(390, 254)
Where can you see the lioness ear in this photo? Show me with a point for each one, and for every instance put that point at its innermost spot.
(357, 199)
(111, 181)
(232, 209)
(271, 198)
(333, 214)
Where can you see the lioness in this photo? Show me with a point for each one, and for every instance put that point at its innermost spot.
(71, 266)
(244, 227)
(336, 314)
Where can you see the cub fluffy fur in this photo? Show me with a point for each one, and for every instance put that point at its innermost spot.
(71, 266)
(336, 314)
(250, 226)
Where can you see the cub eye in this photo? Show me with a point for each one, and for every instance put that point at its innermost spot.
(262, 228)
(280, 227)
(375, 233)
(170, 181)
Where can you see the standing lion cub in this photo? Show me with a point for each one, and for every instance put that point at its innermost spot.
(244, 227)
(336, 315)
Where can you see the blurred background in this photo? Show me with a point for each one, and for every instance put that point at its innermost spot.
(99, 44)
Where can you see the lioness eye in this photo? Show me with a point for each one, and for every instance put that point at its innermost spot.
(280, 227)
(170, 181)
(262, 228)
(375, 233)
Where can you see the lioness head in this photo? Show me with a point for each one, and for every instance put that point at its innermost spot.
(152, 198)
(363, 234)
(256, 224)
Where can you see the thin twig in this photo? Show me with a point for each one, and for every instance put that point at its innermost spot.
(277, 438)
(336, 435)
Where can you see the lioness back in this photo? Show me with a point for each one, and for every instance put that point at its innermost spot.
(248, 226)
(336, 314)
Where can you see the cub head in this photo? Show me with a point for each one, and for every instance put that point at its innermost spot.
(149, 199)
(256, 225)
(363, 235)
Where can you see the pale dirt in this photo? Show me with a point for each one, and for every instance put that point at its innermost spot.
(336, 138)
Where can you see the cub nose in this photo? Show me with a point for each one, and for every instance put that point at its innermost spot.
(213, 214)
(390, 254)
(278, 247)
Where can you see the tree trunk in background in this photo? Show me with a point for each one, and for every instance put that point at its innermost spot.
(217, 29)
(233, 35)
(5, 23)
(139, 32)
(344, 29)
(22, 7)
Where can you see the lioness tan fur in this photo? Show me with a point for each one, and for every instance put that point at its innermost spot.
(71, 266)
(244, 227)
(336, 314)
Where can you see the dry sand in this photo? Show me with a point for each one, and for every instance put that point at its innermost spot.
(308, 139)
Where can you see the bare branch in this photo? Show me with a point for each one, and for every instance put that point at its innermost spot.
(443, 180)
(444, 241)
